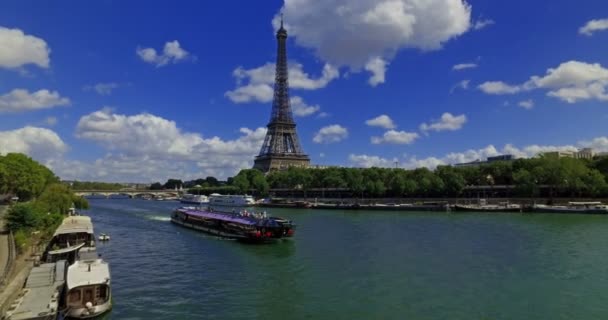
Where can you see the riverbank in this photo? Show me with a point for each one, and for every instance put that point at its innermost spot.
(415, 204)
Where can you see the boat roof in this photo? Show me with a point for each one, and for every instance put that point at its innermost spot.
(83, 273)
(40, 296)
(75, 224)
(220, 216)
(66, 250)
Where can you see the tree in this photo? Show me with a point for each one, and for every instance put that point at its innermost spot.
(241, 182)
(212, 181)
(24, 216)
(156, 186)
(260, 185)
(453, 180)
(56, 198)
(354, 181)
(173, 184)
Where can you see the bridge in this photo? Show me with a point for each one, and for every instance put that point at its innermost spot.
(129, 193)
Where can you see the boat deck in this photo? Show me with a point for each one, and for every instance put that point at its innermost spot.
(39, 299)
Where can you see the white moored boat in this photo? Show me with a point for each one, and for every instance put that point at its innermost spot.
(573, 207)
(194, 199)
(103, 237)
(74, 233)
(87, 292)
(231, 200)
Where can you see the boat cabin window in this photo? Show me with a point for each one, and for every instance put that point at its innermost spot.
(74, 297)
(97, 294)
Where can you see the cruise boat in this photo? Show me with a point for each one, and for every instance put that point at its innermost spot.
(231, 200)
(194, 199)
(87, 291)
(594, 207)
(246, 227)
(41, 295)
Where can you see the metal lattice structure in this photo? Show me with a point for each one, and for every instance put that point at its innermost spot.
(281, 148)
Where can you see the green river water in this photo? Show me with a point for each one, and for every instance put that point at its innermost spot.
(358, 265)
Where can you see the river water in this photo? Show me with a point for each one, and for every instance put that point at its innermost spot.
(358, 265)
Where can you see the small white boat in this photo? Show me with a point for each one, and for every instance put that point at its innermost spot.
(194, 199)
(231, 200)
(595, 207)
(104, 237)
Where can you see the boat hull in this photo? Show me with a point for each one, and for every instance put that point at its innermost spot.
(84, 313)
(569, 211)
(222, 234)
(464, 208)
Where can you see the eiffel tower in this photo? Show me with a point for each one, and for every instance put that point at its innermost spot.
(281, 148)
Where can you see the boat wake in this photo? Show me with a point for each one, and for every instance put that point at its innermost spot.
(158, 218)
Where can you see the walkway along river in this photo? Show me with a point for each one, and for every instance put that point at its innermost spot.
(358, 265)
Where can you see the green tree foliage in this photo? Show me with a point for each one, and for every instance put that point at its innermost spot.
(56, 198)
(45, 200)
(251, 181)
(156, 186)
(173, 183)
(23, 177)
(25, 216)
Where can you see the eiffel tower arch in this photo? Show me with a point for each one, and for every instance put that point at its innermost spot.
(281, 148)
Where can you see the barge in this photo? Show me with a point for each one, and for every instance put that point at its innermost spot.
(245, 227)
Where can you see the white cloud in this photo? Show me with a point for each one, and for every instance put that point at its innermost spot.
(463, 66)
(39, 143)
(301, 109)
(482, 23)
(599, 144)
(448, 122)
(464, 85)
(377, 67)
(365, 161)
(351, 33)
(250, 93)
(593, 26)
(330, 134)
(172, 53)
(151, 148)
(103, 89)
(259, 81)
(50, 121)
(20, 100)
(382, 121)
(18, 49)
(396, 137)
(498, 87)
(571, 81)
(526, 104)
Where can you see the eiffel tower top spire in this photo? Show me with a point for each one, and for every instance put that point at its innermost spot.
(281, 108)
(281, 148)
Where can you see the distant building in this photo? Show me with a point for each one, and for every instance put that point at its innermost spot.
(470, 164)
(502, 157)
(585, 153)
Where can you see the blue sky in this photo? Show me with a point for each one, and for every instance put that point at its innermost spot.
(112, 109)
